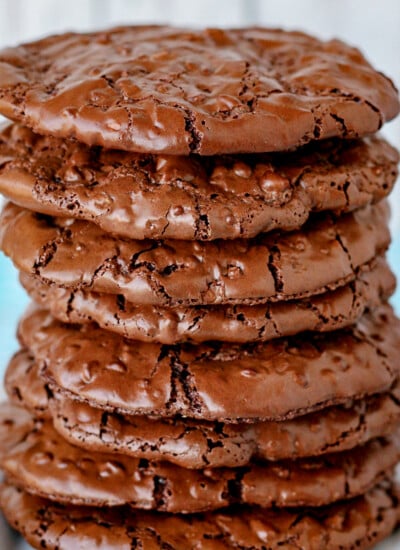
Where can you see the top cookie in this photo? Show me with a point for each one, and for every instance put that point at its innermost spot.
(180, 91)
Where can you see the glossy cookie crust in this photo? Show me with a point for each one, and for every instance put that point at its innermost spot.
(180, 91)
(162, 196)
(325, 254)
(102, 369)
(44, 463)
(200, 444)
(329, 311)
(360, 523)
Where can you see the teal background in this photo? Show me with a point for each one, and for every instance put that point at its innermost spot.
(13, 301)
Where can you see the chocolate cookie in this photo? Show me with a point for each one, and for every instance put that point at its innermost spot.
(329, 311)
(200, 444)
(196, 444)
(44, 463)
(266, 381)
(24, 385)
(15, 423)
(180, 91)
(360, 523)
(325, 254)
(145, 196)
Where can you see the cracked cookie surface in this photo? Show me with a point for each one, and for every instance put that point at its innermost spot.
(15, 423)
(44, 463)
(325, 254)
(162, 196)
(329, 311)
(181, 91)
(200, 444)
(275, 380)
(355, 525)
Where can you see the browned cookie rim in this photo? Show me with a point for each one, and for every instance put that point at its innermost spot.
(43, 463)
(200, 444)
(182, 91)
(359, 523)
(327, 253)
(91, 365)
(158, 197)
(326, 312)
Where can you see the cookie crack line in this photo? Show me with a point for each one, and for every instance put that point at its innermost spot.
(254, 194)
(380, 507)
(190, 366)
(202, 93)
(273, 259)
(374, 284)
(217, 273)
(162, 481)
(287, 83)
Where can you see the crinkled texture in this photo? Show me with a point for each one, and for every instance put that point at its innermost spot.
(162, 196)
(44, 463)
(325, 254)
(180, 91)
(15, 422)
(24, 385)
(200, 444)
(197, 444)
(355, 525)
(275, 380)
(151, 323)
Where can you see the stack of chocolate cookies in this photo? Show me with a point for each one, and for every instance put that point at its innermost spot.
(210, 360)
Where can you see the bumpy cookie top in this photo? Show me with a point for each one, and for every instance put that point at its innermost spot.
(356, 524)
(325, 254)
(325, 312)
(278, 380)
(197, 444)
(179, 91)
(139, 196)
(44, 463)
